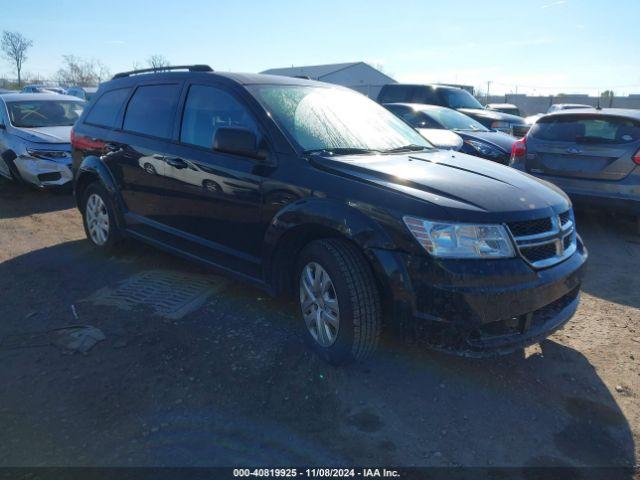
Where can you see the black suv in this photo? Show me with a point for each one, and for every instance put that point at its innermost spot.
(313, 190)
(457, 99)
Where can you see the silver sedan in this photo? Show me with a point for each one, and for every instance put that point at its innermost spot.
(35, 143)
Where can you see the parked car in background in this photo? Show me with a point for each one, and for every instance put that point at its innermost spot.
(35, 144)
(450, 97)
(43, 89)
(469, 135)
(594, 156)
(556, 107)
(5, 90)
(85, 93)
(327, 196)
(509, 108)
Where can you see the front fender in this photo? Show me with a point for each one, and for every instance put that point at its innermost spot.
(310, 218)
(372, 229)
(346, 218)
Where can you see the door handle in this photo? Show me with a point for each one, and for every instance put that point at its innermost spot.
(112, 147)
(175, 162)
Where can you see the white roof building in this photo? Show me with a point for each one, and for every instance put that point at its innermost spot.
(359, 76)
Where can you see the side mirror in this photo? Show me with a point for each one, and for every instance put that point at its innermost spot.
(2, 126)
(237, 141)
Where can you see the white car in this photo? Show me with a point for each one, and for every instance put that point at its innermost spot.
(35, 137)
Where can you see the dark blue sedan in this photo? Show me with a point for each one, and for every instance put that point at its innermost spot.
(464, 133)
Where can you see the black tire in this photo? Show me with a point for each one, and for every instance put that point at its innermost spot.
(8, 159)
(360, 313)
(114, 234)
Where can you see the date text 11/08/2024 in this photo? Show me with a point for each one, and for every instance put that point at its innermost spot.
(316, 472)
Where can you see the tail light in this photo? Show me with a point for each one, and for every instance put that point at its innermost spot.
(519, 150)
(73, 138)
(636, 158)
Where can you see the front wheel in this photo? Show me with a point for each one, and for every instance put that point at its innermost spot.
(339, 301)
(99, 217)
(13, 170)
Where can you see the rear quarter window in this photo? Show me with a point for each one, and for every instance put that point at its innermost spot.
(587, 129)
(105, 111)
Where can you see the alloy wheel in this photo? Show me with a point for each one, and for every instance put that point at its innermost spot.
(319, 304)
(97, 219)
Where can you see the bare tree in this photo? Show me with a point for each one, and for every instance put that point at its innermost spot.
(157, 61)
(77, 71)
(14, 47)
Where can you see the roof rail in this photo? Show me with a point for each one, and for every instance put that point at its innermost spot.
(190, 68)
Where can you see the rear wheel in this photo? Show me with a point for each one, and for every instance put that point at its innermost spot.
(339, 301)
(99, 217)
(150, 169)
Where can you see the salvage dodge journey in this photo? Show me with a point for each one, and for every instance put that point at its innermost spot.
(315, 191)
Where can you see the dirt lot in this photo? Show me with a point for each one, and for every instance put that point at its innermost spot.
(220, 376)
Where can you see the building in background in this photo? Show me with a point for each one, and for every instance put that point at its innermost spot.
(531, 105)
(359, 76)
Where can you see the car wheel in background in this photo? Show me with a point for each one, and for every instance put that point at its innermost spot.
(99, 217)
(150, 169)
(211, 186)
(339, 301)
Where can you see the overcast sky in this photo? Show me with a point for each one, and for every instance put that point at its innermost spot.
(538, 46)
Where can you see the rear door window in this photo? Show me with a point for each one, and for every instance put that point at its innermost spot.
(151, 110)
(586, 129)
(105, 111)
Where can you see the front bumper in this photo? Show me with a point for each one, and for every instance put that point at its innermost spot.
(480, 307)
(44, 173)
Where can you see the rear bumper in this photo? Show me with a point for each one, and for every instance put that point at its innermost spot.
(619, 203)
(623, 195)
(481, 307)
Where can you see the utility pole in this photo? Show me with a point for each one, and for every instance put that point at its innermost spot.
(488, 87)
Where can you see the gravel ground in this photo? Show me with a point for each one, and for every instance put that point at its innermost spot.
(226, 379)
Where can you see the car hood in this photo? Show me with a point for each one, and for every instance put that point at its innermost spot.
(470, 188)
(491, 115)
(498, 139)
(45, 134)
(441, 138)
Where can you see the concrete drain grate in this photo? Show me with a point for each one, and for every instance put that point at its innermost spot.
(169, 294)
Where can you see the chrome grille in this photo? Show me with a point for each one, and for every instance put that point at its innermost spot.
(546, 241)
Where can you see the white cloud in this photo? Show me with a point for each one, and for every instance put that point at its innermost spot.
(554, 4)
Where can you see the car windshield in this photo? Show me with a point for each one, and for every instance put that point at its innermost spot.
(336, 120)
(458, 98)
(586, 129)
(44, 113)
(452, 120)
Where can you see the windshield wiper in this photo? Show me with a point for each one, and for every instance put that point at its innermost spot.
(413, 147)
(340, 151)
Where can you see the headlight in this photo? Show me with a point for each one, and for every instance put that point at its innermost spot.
(500, 124)
(461, 240)
(48, 154)
(484, 148)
